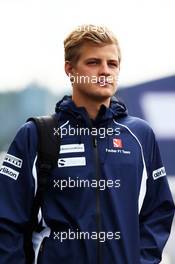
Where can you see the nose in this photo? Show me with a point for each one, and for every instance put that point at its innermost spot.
(104, 69)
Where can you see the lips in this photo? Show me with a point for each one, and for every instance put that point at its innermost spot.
(103, 83)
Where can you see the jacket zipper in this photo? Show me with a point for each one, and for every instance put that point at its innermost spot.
(98, 220)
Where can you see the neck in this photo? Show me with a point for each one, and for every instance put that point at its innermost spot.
(92, 106)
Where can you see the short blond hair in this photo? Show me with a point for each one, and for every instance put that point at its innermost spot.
(95, 34)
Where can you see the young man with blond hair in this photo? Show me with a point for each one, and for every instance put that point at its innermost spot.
(108, 199)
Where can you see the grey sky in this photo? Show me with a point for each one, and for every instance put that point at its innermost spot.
(32, 34)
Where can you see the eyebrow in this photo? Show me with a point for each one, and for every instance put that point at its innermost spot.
(98, 59)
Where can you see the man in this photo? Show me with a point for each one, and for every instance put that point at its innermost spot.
(108, 200)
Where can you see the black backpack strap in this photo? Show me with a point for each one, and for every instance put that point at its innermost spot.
(48, 150)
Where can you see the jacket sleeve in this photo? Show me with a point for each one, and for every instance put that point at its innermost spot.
(17, 190)
(157, 211)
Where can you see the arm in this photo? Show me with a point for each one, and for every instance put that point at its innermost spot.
(17, 189)
(157, 212)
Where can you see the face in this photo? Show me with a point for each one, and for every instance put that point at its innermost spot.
(96, 72)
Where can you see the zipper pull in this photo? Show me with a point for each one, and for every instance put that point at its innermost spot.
(95, 142)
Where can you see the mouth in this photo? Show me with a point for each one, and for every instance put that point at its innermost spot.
(105, 80)
(104, 83)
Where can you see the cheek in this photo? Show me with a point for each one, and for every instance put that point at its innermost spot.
(85, 73)
(113, 78)
(116, 76)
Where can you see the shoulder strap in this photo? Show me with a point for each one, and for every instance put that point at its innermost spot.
(48, 150)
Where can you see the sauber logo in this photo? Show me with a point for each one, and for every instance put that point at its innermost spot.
(118, 147)
(117, 143)
(73, 161)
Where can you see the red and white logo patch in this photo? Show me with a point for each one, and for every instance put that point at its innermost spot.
(117, 143)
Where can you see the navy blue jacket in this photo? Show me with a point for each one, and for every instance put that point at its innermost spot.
(107, 201)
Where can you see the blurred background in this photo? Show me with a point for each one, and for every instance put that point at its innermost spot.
(32, 77)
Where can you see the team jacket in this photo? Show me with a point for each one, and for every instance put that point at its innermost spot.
(107, 201)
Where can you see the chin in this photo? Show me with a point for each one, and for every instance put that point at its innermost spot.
(101, 97)
(106, 93)
(100, 93)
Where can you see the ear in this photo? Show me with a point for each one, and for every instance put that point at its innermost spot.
(68, 68)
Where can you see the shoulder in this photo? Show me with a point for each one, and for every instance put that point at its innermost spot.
(135, 123)
(26, 139)
(138, 127)
(28, 129)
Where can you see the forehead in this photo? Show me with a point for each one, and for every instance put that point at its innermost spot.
(107, 51)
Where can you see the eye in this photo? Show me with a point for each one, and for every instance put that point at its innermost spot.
(92, 62)
(113, 64)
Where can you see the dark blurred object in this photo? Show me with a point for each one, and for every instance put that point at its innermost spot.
(139, 103)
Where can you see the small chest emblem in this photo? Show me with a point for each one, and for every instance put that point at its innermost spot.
(117, 143)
